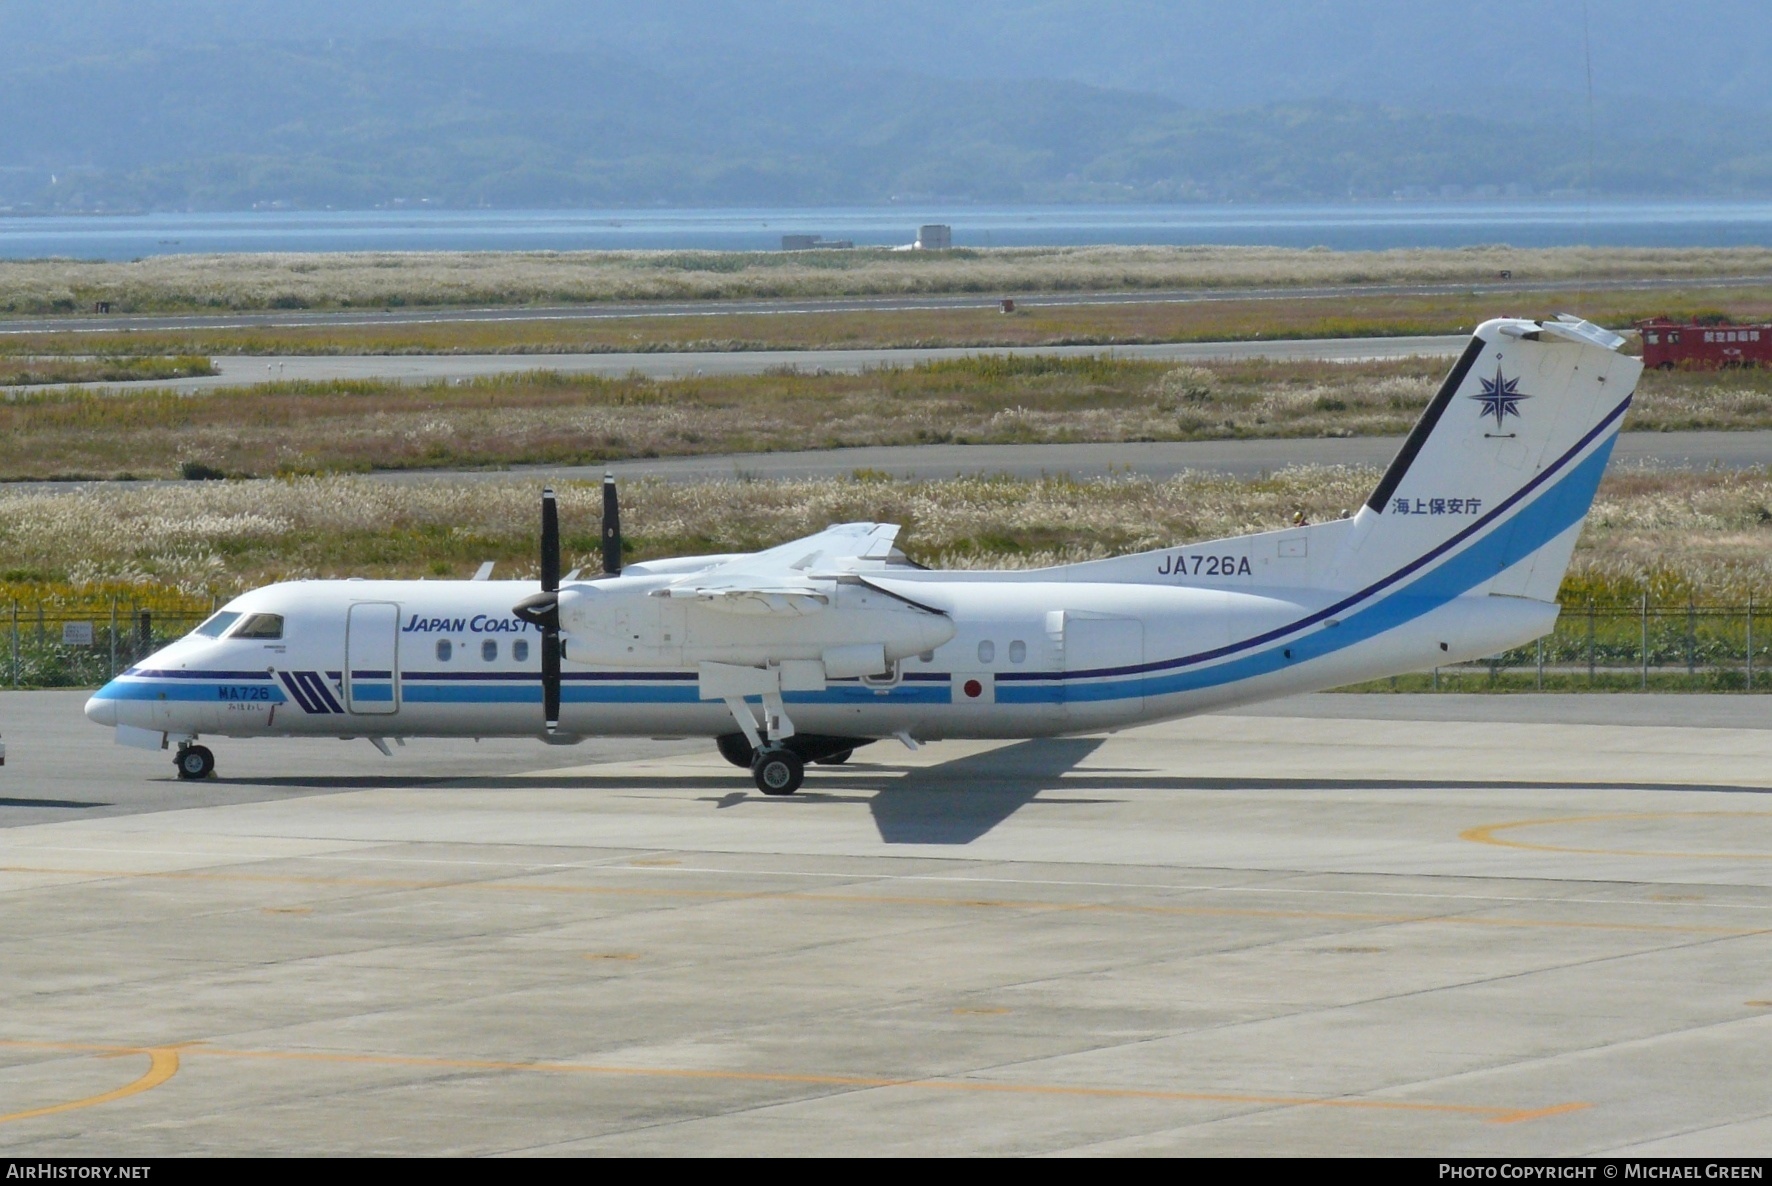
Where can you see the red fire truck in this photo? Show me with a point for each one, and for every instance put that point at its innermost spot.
(1668, 344)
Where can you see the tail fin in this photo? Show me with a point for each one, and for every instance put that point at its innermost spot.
(1501, 468)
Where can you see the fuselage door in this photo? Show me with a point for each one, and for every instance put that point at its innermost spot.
(1101, 655)
(372, 658)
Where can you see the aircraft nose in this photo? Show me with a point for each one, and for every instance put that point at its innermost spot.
(101, 710)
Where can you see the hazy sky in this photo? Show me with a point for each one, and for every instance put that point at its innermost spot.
(224, 103)
(1456, 54)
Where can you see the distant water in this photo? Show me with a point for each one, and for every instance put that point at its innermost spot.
(1350, 226)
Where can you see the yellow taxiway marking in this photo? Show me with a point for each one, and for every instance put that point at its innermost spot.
(162, 1065)
(858, 899)
(1487, 834)
(1488, 1112)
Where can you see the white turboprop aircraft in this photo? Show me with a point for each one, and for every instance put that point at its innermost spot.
(842, 641)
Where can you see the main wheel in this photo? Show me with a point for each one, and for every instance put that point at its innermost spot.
(735, 749)
(836, 759)
(778, 771)
(195, 761)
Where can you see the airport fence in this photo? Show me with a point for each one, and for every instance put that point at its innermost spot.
(73, 640)
(82, 640)
(1640, 645)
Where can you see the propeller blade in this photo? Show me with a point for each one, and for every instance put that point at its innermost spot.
(611, 528)
(550, 678)
(550, 542)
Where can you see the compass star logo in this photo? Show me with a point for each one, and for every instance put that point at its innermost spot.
(1500, 397)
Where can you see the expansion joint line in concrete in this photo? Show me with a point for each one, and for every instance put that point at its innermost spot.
(801, 897)
(165, 1061)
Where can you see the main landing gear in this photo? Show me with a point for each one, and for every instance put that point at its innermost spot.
(779, 767)
(778, 770)
(194, 761)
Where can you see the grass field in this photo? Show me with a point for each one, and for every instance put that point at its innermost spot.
(1667, 569)
(544, 418)
(182, 283)
(25, 372)
(1367, 315)
(1673, 534)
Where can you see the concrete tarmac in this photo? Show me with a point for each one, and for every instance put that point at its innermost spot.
(1500, 925)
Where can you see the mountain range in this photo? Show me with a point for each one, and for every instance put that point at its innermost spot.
(205, 104)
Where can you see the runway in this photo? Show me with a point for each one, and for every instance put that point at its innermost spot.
(1500, 925)
(268, 318)
(1159, 460)
(240, 371)
(1152, 459)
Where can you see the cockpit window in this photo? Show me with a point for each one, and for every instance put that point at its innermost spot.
(266, 626)
(217, 624)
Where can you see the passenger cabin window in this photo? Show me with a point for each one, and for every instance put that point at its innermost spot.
(262, 626)
(445, 650)
(520, 650)
(217, 624)
(489, 650)
(987, 651)
(1018, 651)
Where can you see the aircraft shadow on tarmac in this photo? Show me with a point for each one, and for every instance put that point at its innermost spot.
(959, 801)
(954, 802)
(70, 804)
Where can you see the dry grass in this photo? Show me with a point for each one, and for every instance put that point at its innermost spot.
(1676, 534)
(1366, 315)
(550, 419)
(383, 280)
(25, 372)
(1707, 535)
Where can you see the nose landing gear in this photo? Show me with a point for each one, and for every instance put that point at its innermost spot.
(194, 761)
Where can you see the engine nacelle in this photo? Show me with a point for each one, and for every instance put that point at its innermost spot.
(644, 623)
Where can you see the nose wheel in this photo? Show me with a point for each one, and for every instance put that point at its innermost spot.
(194, 761)
(778, 770)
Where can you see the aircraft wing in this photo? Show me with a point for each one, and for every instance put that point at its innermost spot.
(793, 578)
